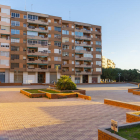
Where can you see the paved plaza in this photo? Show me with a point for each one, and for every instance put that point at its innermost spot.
(24, 118)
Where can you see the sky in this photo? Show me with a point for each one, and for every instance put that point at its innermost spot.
(120, 21)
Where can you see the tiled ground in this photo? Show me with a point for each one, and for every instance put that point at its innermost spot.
(23, 118)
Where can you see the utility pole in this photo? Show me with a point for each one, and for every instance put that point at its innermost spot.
(119, 74)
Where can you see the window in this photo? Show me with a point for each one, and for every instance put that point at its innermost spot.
(72, 55)
(77, 80)
(98, 69)
(24, 66)
(91, 42)
(25, 16)
(7, 20)
(91, 29)
(49, 36)
(32, 42)
(32, 17)
(4, 53)
(14, 56)
(72, 33)
(49, 28)
(13, 31)
(65, 47)
(17, 15)
(72, 26)
(49, 43)
(65, 32)
(56, 43)
(79, 33)
(4, 62)
(58, 65)
(91, 63)
(73, 47)
(65, 39)
(24, 25)
(24, 33)
(98, 49)
(72, 62)
(65, 54)
(6, 45)
(98, 63)
(24, 57)
(30, 33)
(79, 48)
(15, 40)
(91, 36)
(15, 23)
(49, 20)
(57, 58)
(92, 49)
(56, 50)
(88, 55)
(24, 49)
(57, 29)
(24, 41)
(98, 43)
(98, 56)
(6, 11)
(14, 65)
(14, 48)
(57, 36)
(72, 41)
(72, 69)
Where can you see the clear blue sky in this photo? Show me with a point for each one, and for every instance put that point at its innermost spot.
(120, 21)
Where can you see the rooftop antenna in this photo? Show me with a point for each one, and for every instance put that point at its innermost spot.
(25, 5)
(69, 15)
(31, 6)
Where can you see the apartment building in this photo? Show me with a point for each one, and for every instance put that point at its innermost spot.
(107, 63)
(34, 45)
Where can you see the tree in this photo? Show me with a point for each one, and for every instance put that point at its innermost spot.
(65, 83)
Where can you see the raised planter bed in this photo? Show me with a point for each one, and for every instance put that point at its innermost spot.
(52, 94)
(124, 131)
(130, 90)
(133, 116)
(122, 104)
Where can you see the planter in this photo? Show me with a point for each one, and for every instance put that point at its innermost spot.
(133, 116)
(105, 134)
(130, 90)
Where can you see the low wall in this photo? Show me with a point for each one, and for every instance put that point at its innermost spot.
(10, 84)
(104, 134)
(84, 97)
(136, 92)
(132, 117)
(130, 90)
(32, 95)
(122, 104)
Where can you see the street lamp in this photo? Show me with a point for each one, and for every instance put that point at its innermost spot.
(119, 74)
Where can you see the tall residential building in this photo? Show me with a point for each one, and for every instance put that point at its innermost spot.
(107, 63)
(32, 45)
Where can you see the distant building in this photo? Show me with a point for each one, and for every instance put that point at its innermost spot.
(107, 63)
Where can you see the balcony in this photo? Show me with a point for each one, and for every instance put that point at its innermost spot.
(82, 30)
(36, 70)
(83, 66)
(83, 58)
(37, 22)
(83, 37)
(5, 15)
(83, 73)
(4, 32)
(37, 30)
(38, 53)
(37, 37)
(83, 51)
(38, 61)
(82, 44)
(36, 45)
(4, 40)
(4, 23)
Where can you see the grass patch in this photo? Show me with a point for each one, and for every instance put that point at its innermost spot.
(132, 133)
(50, 91)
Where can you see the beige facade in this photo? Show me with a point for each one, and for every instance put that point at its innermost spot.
(107, 63)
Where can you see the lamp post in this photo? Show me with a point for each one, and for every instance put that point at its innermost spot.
(119, 74)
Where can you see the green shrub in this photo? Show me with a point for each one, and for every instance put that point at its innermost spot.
(65, 83)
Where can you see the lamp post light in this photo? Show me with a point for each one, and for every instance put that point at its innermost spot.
(119, 74)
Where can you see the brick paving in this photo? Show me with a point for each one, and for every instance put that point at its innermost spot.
(23, 118)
